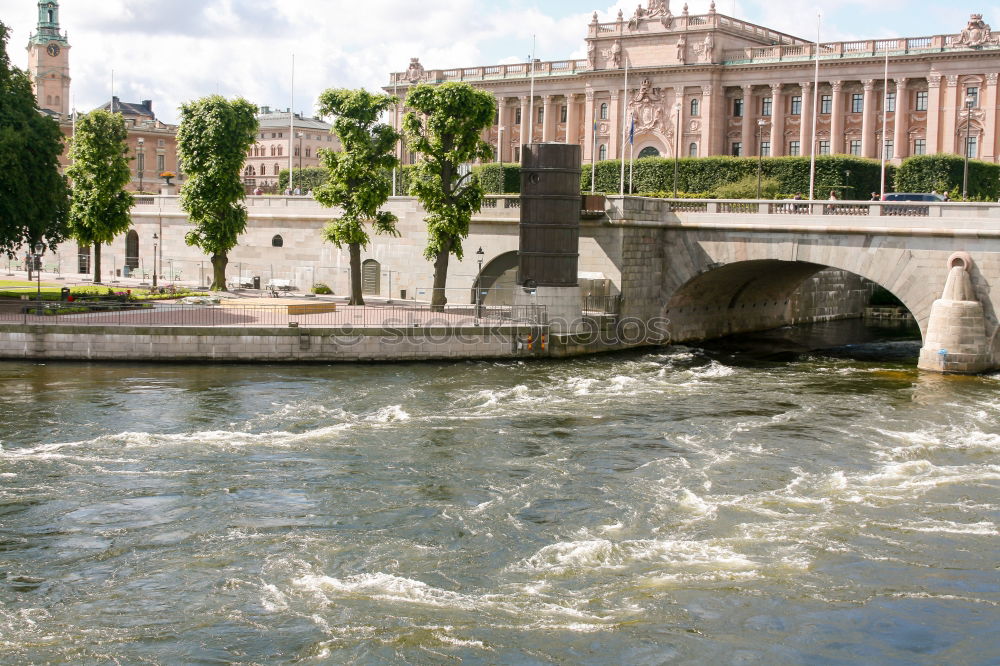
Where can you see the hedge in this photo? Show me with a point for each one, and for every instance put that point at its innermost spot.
(308, 178)
(499, 178)
(941, 172)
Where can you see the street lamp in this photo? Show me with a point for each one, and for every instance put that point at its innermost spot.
(970, 100)
(155, 239)
(677, 144)
(760, 151)
(479, 287)
(141, 160)
(37, 260)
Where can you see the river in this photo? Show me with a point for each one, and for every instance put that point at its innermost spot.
(680, 505)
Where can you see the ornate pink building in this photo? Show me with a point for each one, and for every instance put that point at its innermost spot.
(711, 84)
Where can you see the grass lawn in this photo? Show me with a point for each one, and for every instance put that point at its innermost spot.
(50, 291)
(25, 283)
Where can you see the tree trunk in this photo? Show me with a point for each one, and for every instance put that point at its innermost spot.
(439, 298)
(219, 263)
(97, 263)
(357, 298)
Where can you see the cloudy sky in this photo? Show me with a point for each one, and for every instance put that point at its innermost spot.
(172, 51)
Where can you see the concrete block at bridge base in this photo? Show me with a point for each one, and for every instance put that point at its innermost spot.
(956, 340)
(563, 307)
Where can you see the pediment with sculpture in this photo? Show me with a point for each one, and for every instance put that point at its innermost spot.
(649, 108)
(977, 33)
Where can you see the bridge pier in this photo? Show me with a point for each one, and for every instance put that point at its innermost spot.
(956, 340)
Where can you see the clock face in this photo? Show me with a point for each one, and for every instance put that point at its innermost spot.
(53, 50)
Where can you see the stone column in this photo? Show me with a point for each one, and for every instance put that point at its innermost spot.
(954, 102)
(614, 121)
(548, 118)
(777, 121)
(956, 340)
(933, 113)
(868, 142)
(805, 120)
(836, 118)
(748, 127)
(707, 126)
(588, 126)
(991, 107)
(901, 122)
(572, 120)
(525, 123)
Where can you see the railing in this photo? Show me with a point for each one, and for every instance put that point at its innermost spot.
(788, 208)
(852, 49)
(602, 304)
(846, 209)
(739, 207)
(315, 313)
(689, 206)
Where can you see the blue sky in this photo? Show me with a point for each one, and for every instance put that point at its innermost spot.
(177, 50)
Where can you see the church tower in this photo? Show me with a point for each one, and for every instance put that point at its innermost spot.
(48, 60)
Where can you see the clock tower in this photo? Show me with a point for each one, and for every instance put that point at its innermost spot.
(48, 60)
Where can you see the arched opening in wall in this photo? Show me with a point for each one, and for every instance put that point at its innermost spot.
(763, 295)
(649, 151)
(132, 249)
(83, 259)
(371, 277)
(498, 280)
(277, 241)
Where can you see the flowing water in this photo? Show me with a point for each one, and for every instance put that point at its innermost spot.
(677, 506)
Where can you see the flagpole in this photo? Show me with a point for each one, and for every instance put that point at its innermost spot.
(624, 131)
(291, 129)
(812, 145)
(531, 102)
(631, 151)
(885, 117)
(395, 122)
(593, 154)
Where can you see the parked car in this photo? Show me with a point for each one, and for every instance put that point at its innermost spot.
(912, 196)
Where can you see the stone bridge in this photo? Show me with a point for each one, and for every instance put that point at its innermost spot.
(711, 267)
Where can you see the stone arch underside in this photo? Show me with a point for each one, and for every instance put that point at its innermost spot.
(723, 285)
(498, 280)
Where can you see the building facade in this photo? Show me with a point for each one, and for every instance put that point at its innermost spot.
(711, 84)
(285, 140)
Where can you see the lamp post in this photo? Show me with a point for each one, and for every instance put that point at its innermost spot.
(969, 101)
(479, 287)
(677, 144)
(141, 160)
(760, 151)
(156, 238)
(37, 259)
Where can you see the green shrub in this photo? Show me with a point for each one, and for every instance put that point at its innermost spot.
(499, 178)
(923, 173)
(746, 188)
(306, 179)
(321, 288)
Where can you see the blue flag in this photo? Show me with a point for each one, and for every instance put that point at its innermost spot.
(631, 132)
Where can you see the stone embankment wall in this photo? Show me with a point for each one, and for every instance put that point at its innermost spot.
(831, 294)
(121, 343)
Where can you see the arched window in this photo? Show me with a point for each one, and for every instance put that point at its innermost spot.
(272, 151)
(52, 16)
(695, 107)
(604, 111)
(649, 151)
(277, 241)
(57, 100)
(693, 150)
(48, 99)
(371, 277)
(279, 151)
(602, 152)
(132, 249)
(263, 169)
(249, 171)
(277, 169)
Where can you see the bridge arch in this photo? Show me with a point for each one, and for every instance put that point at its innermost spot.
(733, 286)
(498, 280)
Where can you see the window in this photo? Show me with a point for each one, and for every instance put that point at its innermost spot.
(276, 169)
(602, 152)
(920, 146)
(161, 143)
(971, 91)
(738, 107)
(695, 106)
(921, 104)
(517, 116)
(793, 148)
(648, 151)
(737, 149)
(140, 163)
(308, 152)
(693, 150)
(274, 151)
(856, 147)
(857, 103)
(280, 150)
(541, 115)
(277, 241)
(824, 147)
(765, 148)
(765, 106)
(796, 105)
(297, 151)
(274, 135)
(826, 104)
(971, 147)
(890, 102)
(161, 163)
(889, 149)
(604, 112)
(263, 169)
(562, 114)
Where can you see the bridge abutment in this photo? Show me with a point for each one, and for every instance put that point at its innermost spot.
(956, 340)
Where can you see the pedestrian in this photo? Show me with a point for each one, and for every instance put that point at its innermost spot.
(298, 192)
(875, 196)
(946, 197)
(833, 196)
(288, 191)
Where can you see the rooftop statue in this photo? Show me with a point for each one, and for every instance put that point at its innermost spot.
(977, 33)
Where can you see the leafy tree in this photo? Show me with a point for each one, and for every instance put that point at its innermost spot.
(445, 127)
(359, 179)
(99, 171)
(308, 178)
(34, 199)
(212, 142)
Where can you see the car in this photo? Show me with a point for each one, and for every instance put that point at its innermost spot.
(912, 196)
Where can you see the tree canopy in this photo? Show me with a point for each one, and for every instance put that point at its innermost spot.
(99, 170)
(212, 142)
(34, 199)
(359, 179)
(445, 128)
